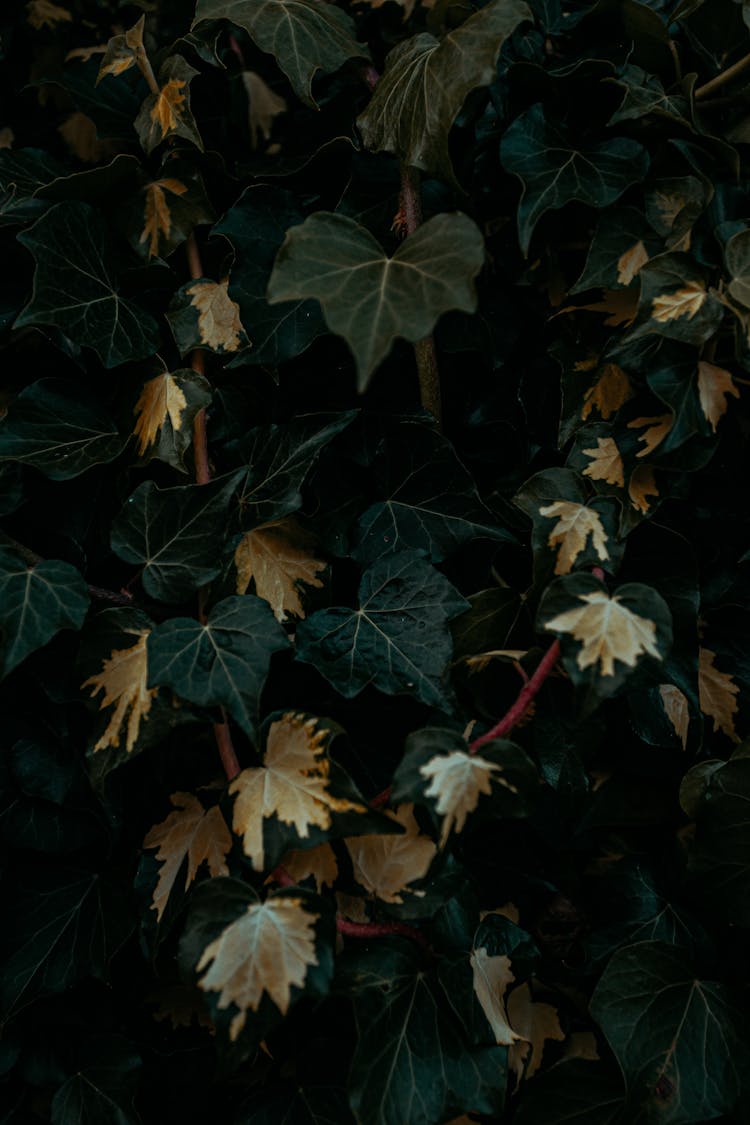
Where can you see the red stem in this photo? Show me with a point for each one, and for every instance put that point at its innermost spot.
(527, 693)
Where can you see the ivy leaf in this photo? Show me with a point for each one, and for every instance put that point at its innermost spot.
(397, 640)
(386, 865)
(715, 386)
(104, 1087)
(369, 298)
(123, 680)
(675, 1037)
(675, 301)
(553, 171)
(431, 501)
(36, 602)
(257, 958)
(405, 1022)
(717, 692)
(303, 36)
(56, 427)
(574, 1090)
(191, 833)
(645, 94)
(492, 975)
(278, 558)
(622, 244)
(123, 52)
(256, 227)
(167, 113)
(535, 1023)
(69, 924)
(165, 212)
(203, 315)
(164, 414)
(74, 289)
(222, 661)
(604, 639)
(172, 533)
(426, 82)
(298, 797)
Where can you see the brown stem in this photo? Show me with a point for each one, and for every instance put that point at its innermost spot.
(525, 697)
(409, 218)
(146, 68)
(720, 80)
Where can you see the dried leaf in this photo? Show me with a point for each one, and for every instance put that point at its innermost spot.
(457, 780)
(682, 302)
(492, 975)
(676, 709)
(658, 427)
(608, 631)
(157, 220)
(575, 523)
(717, 691)
(386, 865)
(43, 13)
(715, 384)
(320, 862)
(219, 322)
(606, 462)
(268, 949)
(277, 557)
(122, 52)
(263, 106)
(534, 1022)
(167, 109)
(161, 400)
(124, 680)
(189, 833)
(292, 785)
(79, 133)
(621, 306)
(608, 393)
(640, 486)
(630, 263)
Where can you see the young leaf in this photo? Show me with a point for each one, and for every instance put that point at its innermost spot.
(304, 36)
(172, 533)
(369, 298)
(297, 786)
(278, 559)
(426, 81)
(386, 865)
(36, 602)
(203, 315)
(167, 113)
(190, 833)
(224, 660)
(74, 288)
(165, 411)
(397, 640)
(124, 682)
(553, 171)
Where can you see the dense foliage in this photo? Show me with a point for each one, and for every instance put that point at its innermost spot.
(360, 765)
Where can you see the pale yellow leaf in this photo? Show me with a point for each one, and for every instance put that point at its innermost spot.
(606, 462)
(575, 523)
(160, 400)
(640, 486)
(675, 706)
(386, 865)
(608, 631)
(480, 661)
(268, 949)
(491, 976)
(189, 832)
(320, 862)
(608, 393)
(687, 301)
(457, 780)
(263, 106)
(630, 264)
(715, 384)
(717, 691)
(277, 557)
(657, 428)
(219, 323)
(292, 785)
(157, 218)
(534, 1023)
(124, 681)
(167, 108)
(43, 13)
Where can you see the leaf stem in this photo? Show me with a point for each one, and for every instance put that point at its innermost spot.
(721, 79)
(146, 69)
(525, 697)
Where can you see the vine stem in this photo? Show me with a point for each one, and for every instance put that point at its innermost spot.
(720, 80)
(222, 733)
(96, 593)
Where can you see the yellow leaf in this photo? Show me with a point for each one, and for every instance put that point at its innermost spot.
(219, 322)
(630, 264)
(268, 949)
(263, 106)
(492, 975)
(124, 680)
(189, 832)
(608, 631)
(457, 780)
(682, 302)
(320, 862)
(85, 53)
(385, 865)
(43, 13)
(715, 384)
(658, 427)
(292, 785)
(640, 486)
(621, 306)
(160, 399)
(277, 557)
(608, 393)
(157, 219)
(716, 691)
(575, 522)
(167, 111)
(675, 706)
(534, 1023)
(606, 462)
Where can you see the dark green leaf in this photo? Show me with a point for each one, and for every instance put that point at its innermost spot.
(36, 602)
(167, 114)
(103, 1089)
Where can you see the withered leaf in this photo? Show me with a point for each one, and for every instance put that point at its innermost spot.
(641, 486)
(219, 324)
(575, 523)
(456, 782)
(43, 13)
(687, 302)
(157, 220)
(165, 411)
(657, 428)
(123, 52)
(629, 264)
(534, 1022)
(386, 865)
(167, 113)
(609, 392)
(124, 682)
(715, 385)
(717, 691)
(676, 709)
(277, 557)
(606, 462)
(320, 862)
(492, 974)
(608, 631)
(191, 833)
